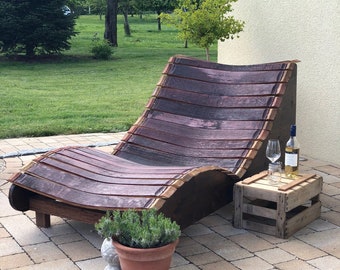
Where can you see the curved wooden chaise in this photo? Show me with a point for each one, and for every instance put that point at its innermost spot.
(204, 128)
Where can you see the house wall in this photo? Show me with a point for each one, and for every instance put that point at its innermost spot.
(308, 30)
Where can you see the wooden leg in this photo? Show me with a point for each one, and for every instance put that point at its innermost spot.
(238, 201)
(43, 220)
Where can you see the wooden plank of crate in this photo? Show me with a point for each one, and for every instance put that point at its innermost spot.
(281, 215)
(259, 227)
(296, 182)
(300, 196)
(302, 219)
(258, 191)
(259, 211)
(254, 178)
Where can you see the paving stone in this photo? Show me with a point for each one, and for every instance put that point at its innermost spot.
(213, 220)
(81, 250)
(91, 264)
(301, 250)
(15, 261)
(227, 230)
(64, 264)
(3, 233)
(178, 260)
(66, 238)
(185, 241)
(23, 230)
(194, 249)
(212, 240)
(204, 258)
(6, 208)
(9, 246)
(186, 267)
(275, 255)
(251, 242)
(231, 252)
(332, 216)
(321, 225)
(329, 169)
(222, 265)
(44, 252)
(58, 229)
(270, 238)
(253, 263)
(329, 201)
(326, 263)
(227, 211)
(295, 265)
(88, 232)
(197, 229)
(330, 190)
(327, 241)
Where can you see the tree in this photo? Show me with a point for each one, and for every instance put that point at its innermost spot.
(125, 6)
(160, 6)
(111, 22)
(35, 26)
(204, 22)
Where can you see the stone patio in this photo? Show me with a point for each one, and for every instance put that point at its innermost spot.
(211, 243)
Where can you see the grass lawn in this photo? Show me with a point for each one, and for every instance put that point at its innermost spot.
(78, 94)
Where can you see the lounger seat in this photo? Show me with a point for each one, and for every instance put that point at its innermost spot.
(204, 128)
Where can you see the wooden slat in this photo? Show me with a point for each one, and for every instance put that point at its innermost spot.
(296, 182)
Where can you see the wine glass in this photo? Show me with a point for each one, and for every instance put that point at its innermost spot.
(273, 151)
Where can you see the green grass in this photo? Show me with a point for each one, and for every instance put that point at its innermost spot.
(77, 94)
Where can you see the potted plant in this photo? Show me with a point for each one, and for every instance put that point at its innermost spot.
(143, 239)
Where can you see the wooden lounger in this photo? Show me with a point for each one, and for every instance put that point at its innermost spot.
(204, 128)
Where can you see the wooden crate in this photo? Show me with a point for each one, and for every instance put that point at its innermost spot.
(277, 210)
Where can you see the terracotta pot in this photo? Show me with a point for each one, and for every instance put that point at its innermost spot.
(145, 258)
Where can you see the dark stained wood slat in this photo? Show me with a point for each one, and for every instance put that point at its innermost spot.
(86, 185)
(178, 140)
(209, 123)
(219, 89)
(196, 111)
(83, 199)
(219, 101)
(222, 76)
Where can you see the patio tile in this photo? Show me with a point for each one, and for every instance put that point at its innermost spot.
(232, 252)
(227, 230)
(213, 220)
(196, 230)
(275, 255)
(191, 250)
(58, 229)
(15, 261)
(23, 230)
(321, 225)
(65, 264)
(91, 264)
(327, 241)
(44, 252)
(186, 267)
(9, 246)
(178, 260)
(3, 233)
(251, 242)
(329, 169)
(222, 265)
(326, 263)
(253, 263)
(332, 216)
(81, 250)
(330, 190)
(301, 250)
(66, 238)
(328, 201)
(6, 208)
(204, 258)
(295, 265)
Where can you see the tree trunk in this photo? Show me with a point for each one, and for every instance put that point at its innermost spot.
(29, 50)
(111, 22)
(186, 43)
(159, 21)
(126, 24)
(207, 54)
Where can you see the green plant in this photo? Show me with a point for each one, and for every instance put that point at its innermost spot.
(138, 229)
(101, 49)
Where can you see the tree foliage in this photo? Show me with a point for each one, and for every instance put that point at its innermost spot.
(35, 26)
(204, 22)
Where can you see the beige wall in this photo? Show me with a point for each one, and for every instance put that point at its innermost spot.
(307, 30)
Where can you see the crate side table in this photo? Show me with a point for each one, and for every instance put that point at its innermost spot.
(277, 210)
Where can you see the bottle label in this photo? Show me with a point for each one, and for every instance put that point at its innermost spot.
(291, 159)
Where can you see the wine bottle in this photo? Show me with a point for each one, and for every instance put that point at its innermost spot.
(292, 152)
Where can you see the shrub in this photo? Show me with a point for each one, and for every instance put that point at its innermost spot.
(101, 49)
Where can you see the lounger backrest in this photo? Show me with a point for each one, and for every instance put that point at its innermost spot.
(204, 113)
